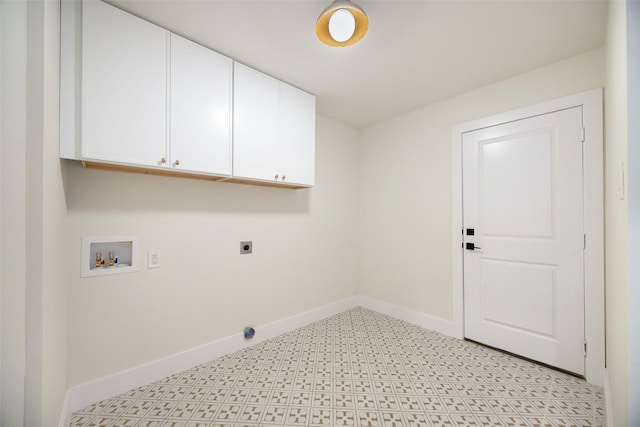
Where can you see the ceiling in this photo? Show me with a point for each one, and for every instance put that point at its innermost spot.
(416, 52)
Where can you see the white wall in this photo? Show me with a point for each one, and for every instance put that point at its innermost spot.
(304, 243)
(34, 292)
(53, 223)
(633, 160)
(12, 231)
(34, 213)
(405, 184)
(616, 217)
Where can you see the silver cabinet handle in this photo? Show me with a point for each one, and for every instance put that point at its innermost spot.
(176, 163)
(276, 177)
(163, 160)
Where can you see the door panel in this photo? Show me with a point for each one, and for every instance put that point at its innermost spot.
(523, 196)
(527, 305)
(521, 206)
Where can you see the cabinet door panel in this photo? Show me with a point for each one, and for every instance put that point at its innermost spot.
(297, 135)
(124, 85)
(255, 124)
(200, 108)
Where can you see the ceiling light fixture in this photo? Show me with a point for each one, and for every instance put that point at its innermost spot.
(342, 24)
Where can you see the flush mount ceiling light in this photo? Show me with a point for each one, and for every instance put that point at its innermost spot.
(342, 24)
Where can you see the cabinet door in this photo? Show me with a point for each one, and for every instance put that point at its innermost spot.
(297, 135)
(255, 124)
(200, 108)
(124, 86)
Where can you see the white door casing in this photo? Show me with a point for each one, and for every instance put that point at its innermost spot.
(591, 104)
(522, 200)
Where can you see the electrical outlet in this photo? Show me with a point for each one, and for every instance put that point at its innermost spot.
(154, 259)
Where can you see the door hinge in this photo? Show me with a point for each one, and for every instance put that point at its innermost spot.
(584, 241)
(585, 347)
(582, 137)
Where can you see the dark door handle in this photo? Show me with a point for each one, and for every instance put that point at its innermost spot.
(471, 247)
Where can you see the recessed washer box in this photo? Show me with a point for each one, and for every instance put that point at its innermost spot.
(109, 255)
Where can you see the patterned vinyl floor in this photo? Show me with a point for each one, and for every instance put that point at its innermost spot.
(358, 368)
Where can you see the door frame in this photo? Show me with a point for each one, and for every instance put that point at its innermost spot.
(593, 175)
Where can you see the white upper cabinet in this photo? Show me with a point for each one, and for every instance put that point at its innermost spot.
(274, 129)
(136, 97)
(200, 105)
(124, 85)
(297, 135)
(255, 124)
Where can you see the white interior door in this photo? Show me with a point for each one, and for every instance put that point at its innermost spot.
(524, 238)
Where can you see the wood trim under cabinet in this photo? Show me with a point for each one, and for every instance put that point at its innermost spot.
(185, 174)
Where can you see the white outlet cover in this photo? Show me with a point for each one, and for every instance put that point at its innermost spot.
(154, 259)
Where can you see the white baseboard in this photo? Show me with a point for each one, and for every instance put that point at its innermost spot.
(84, 395)
(65, 413)
(608, 405)
(445, 327)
